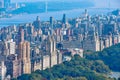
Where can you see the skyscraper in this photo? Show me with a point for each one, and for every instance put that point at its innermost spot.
(13, 66)
(24, 57)
(64, 20)
(52, 50)
(51, 21)
(7, 3)
(30, 29)
(52, 57)
(2, 70)
(86, 13)
(10, 45)
(51, 24)
(37, 23)
(20, 35)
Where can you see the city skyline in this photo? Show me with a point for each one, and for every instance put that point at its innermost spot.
(65, 40)
(42, 44)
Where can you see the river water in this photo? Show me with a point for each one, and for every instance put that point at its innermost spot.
(28, 18)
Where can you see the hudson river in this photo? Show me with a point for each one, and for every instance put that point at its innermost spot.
(28, 18)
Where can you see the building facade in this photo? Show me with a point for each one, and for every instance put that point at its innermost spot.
(2, 70)
(24, 57)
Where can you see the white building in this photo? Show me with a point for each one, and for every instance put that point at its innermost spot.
(77, 51)
(11, 46)
(46, 62)
(2, 70)
(66, 58)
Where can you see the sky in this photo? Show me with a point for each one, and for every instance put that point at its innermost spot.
(98, 3)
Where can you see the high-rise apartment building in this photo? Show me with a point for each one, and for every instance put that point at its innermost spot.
(24, 56)
(13, 66)
(53, 57)
(20, 37)
(91, 43)
(2, 70)
(10, 46)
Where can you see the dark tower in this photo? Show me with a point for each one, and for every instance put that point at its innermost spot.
(64, 20)
(51, 20)
(86, 11)
(51, 24)
(20, 35)
(37, 23)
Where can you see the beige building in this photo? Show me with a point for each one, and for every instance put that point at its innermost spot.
(101, 45)
(53, 56)
(91, 43)
(110, 40)
(49, 55)
(45, 62)
(24, 56)
(37, 65)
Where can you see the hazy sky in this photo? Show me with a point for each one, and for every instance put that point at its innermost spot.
(98, 3)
